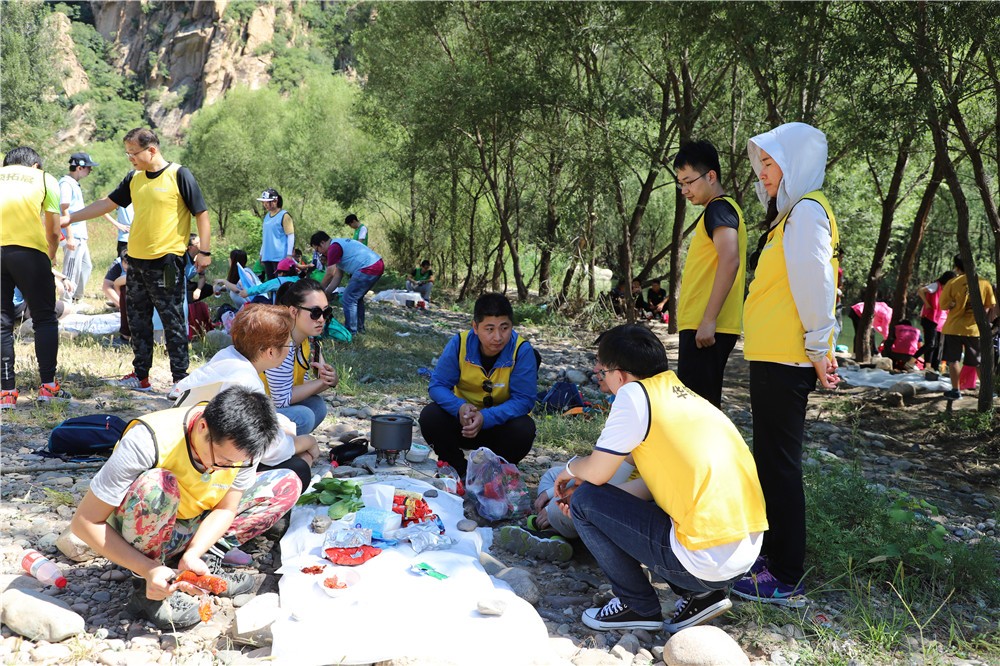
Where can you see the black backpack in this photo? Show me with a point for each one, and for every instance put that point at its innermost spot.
(84, 435)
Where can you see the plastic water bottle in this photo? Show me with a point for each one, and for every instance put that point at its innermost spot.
(452, 481)
(42, 568)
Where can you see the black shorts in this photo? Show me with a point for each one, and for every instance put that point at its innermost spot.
(954, 345)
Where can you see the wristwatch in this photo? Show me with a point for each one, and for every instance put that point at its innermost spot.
(207, 254)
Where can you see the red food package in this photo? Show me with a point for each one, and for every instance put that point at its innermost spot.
(351, 557)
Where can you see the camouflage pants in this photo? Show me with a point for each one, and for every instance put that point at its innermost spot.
(157, 283)
(147, 517)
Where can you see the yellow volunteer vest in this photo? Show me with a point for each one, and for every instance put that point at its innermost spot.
(197, 496)
(23, 193)
(697, 467)
(298, 370)
(772, 328)
(470, 381)
(699, 275)
(162, 221)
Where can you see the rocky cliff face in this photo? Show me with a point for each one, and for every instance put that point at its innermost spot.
(188, 54)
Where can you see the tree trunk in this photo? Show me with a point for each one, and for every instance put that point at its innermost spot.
(986, 380)
(862, 352)
(916, 238)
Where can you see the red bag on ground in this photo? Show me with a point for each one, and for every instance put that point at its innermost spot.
(967, 378)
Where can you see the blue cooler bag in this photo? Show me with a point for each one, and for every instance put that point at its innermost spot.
(84, 435)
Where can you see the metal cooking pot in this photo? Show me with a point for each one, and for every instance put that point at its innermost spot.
(392, 432)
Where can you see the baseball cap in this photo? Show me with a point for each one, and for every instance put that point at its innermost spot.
(81, 159)
(286, 264)
(270, 194)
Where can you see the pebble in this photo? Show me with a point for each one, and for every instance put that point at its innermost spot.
(629, 643)
(491, 606)
(432, 492)
(101, 596)
(466, 525)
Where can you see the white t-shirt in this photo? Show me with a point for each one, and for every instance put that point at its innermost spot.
(71, 194)
(624, 430)
(230, 368)
(135, 454)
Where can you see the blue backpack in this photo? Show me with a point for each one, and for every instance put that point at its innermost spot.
(562, 397)
(85, 435)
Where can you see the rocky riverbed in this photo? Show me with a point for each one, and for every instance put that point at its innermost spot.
(39, 496)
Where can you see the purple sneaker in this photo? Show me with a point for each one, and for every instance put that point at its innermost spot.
(765, 588)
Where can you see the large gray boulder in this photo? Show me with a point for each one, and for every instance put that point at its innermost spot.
(39, 617)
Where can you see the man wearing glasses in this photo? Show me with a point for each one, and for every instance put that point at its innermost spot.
(165, 197)
(177, 482)
(710, 304)
(76, 254)
(483, 388)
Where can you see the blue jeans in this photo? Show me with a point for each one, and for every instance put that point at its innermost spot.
(621, 531)
(306, 415)
(353, 299)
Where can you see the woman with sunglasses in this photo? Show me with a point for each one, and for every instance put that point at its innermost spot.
(293, 394)
(788, 321)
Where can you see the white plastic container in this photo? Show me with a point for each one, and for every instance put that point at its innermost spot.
(418, 453)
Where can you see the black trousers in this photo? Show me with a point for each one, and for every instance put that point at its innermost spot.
(778, 397)
(931, 350)
(157, 283)
(270, 269)
(30, 271)
(701, 370)
(443, 433)
(297, 465)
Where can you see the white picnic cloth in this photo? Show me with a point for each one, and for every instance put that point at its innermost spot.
(393, 612)
(885, 380)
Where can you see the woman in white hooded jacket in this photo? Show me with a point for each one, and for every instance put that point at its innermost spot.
(789, 340)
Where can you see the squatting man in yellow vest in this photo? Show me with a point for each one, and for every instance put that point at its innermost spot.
(165, 196)
(483, 387)
(177, 482)
(695, 517)
(710, 304)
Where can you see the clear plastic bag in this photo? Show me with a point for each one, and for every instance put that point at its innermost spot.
(496, 486)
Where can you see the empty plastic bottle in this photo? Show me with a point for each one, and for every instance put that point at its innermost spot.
(42, 568)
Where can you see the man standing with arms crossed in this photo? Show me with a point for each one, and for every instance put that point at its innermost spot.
(165, 196)
(710, 304)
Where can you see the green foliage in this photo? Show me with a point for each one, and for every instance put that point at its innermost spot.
(239, 11)
(890, 533)
(574, 435)
(29, 77)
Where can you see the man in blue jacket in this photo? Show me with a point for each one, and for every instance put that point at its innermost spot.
(483, 388)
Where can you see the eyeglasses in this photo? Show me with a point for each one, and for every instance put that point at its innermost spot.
(488, 388)
(128, 154)
(218, 465)
(316, 312)
(682, 184)
(603, 374)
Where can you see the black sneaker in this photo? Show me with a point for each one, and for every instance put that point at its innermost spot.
(693, 610)
(237, 582)
(952, 394)
(178, 611)
(617, 615)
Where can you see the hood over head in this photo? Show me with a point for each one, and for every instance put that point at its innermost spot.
(800, 150)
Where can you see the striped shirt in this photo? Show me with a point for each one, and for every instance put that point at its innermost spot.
(279, 380)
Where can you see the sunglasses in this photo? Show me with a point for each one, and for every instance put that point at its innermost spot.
(316, 312)
(488, 388)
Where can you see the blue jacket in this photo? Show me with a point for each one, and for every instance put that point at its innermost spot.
(523, 379)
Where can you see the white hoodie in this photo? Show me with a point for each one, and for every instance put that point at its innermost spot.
(800, 150)
(230, 368)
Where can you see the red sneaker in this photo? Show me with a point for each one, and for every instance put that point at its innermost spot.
(132, 381)
(8, 399)
(52, 391)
